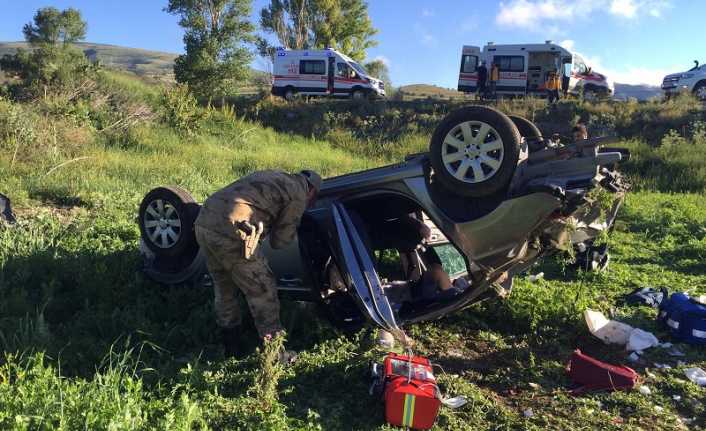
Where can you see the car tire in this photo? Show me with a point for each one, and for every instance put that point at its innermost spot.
(166, 219)
(700, 91)
(358, 95)
(529, 131)
(289, 94)
(457, 149)
(189, 267)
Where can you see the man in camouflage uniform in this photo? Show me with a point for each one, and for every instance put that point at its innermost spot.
(228, 228)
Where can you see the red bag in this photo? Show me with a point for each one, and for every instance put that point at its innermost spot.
(594, 375)
(411, 395)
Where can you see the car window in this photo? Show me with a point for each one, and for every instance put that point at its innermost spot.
(451, 259)
(312, 67)
(343, 70)
(510, 63)
(469, 63)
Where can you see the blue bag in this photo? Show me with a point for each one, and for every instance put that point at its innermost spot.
(685, 318)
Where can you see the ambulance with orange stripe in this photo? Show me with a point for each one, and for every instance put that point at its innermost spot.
(322, 72)
(524, 70)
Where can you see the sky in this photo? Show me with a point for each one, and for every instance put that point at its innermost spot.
(631, 41)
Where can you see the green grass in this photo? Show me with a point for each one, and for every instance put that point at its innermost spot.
(90, 343)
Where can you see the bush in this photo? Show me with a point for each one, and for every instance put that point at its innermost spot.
(180, 109)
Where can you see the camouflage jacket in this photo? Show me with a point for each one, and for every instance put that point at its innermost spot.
(275, 198)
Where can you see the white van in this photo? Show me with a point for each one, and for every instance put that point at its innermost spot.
(524, 70)
(692, 81)
(324, 72)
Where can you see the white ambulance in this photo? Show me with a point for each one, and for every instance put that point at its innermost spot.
(524, 70)
(324, 72)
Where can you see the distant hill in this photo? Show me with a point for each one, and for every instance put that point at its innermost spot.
(140, 61)
(639, 92)
(622, 92)
(423, 91)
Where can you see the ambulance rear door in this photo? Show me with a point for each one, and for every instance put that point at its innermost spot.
(468, 75)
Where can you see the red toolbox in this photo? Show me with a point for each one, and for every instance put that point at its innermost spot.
(411, 396)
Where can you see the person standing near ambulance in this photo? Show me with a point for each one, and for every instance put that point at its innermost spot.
(482, 81)
(494, 78)
(229, 228)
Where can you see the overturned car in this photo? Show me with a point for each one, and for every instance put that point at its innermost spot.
(493, 195)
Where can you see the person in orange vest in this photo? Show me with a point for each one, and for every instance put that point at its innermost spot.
(494, 77)
(553, 85)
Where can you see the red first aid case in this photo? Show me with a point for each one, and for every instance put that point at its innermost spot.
(411, 396)
(594, 375)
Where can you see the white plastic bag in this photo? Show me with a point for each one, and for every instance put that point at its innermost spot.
(640, 340)
(696, 375)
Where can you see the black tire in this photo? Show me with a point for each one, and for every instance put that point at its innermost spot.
(189, 267)
(358, 94)
(184, 209)
(529, 131)
(502, 127)
(289, 94)
(700, 91)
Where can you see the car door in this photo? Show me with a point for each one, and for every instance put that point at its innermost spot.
(356, 266)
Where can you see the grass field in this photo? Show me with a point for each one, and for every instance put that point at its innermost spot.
(89, 343)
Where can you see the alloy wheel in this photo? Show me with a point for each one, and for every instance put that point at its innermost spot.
(162, 223)
(472, 152)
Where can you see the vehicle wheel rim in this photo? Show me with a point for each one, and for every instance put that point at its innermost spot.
(701, 92)
(472, 152)
(357, 95)
(162, 223)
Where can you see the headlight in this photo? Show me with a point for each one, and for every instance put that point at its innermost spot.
(687, 75)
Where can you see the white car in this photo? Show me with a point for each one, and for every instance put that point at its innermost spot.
(322, 72)
(692, 81)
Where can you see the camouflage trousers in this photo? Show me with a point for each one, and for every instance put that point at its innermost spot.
(230, 271)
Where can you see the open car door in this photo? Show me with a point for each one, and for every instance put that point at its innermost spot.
(356, 266)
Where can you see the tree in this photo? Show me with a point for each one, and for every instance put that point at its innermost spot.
(378, 69)
(53, 63)
(216, 57)
(52, 26)
(302, 24)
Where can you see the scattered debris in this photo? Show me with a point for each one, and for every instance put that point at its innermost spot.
(696, 375)
(534, 386)
(455, 402)
(610, 331)
(640, 340)
(659, 409)
(663, 366)
(645, 390)
(536, 277)
(635, 356)
(528, 413)
(646, 296)
(674, 351)
(676, 397)
(649, 374)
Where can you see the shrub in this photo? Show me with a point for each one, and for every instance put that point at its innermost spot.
(180, 109)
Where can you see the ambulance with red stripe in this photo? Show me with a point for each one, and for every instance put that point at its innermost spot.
(324, 72)
(524, 70)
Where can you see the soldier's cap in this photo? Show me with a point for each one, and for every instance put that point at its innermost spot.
(313, 179)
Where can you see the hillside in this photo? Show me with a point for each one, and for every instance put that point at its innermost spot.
(622, 92)
(140, 61)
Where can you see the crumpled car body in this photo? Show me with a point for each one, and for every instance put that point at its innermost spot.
(557, 198)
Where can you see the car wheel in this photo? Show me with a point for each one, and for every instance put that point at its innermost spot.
(166, 219)
(188, 267)
(529, 131)
(700, 91)
(358, 95)
(289, 94)
(474, 151)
